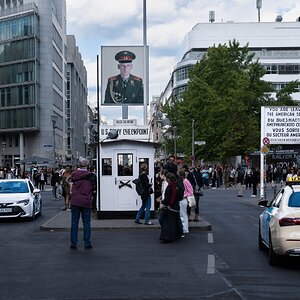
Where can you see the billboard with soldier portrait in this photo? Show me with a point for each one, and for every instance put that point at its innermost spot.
(122, 71)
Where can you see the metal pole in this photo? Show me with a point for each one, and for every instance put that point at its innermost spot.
(98, 138)
(54, 144)
(193, 143)
(146, 62)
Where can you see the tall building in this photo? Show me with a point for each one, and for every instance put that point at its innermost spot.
(35, 113)
(275, 44)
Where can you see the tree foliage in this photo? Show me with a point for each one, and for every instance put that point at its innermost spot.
(224, 97)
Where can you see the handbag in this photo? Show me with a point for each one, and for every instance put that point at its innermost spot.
(191, 201)
(197, 188)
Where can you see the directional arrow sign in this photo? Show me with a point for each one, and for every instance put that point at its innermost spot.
(200, 142)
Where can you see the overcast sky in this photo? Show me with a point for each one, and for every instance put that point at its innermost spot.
(97, 23)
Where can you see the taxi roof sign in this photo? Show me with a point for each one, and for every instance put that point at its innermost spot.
(293, 180)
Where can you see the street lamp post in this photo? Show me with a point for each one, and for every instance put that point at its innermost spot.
(54, 119)
(175, 137)
(3, 144)
(193, 143)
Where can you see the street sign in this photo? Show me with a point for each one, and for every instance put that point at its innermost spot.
(264, 150)
(266, 141)
(200, 142)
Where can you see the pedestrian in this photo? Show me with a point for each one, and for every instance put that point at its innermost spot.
(183, 203)
(255, 180)
(195, 179)
(146, 198)
(171, 227)
(163, 176)
(82, 185)
(42, 180)
(171, 165)
(66, 191)
(248, 175)
(55, 182)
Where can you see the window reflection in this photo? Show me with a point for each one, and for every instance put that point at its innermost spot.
(125, 164)
(106, 166)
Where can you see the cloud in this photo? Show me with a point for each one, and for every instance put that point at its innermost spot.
(97, 23)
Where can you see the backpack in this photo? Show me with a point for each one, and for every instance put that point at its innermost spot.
(179, 189)
(138, 186)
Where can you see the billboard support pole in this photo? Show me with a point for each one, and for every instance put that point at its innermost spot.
(146, 62)
(262, 162)
(98, 138)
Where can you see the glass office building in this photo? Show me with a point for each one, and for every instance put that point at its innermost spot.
(33, 82)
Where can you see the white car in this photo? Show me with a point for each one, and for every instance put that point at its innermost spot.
(19, 198)
(279, 224)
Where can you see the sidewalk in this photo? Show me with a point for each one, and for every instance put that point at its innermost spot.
(62, 221)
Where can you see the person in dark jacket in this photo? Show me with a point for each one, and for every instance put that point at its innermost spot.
(171, 226)
(171, 165)
(82, 185)
(255, 178)
(146, 198)
(195, 178)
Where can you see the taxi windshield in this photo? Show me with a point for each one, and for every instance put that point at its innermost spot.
(294, 200)
(11, 187)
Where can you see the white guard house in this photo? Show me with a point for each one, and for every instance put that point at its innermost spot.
(120, 162)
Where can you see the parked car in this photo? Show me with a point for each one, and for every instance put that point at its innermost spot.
(279, 224)
(19, 198)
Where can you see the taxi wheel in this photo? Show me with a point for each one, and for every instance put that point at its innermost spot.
(273, 259)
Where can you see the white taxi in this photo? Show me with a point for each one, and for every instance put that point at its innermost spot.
(279, 224)
(19, 198)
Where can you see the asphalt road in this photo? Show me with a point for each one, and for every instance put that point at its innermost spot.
(223, 263)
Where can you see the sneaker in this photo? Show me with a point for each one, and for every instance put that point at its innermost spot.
(138, 222)
(253, 196)
(73, 247)
(88, 247)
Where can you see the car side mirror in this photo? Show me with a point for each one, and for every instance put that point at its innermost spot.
(263, 203)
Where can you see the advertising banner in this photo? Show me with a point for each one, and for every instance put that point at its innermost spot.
(122, 71)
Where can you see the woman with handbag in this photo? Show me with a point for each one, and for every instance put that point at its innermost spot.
(195, 178)
(184, 203)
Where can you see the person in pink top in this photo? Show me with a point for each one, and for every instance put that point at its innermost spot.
(188, 191)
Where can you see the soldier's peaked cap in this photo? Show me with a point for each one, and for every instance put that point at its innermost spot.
(124, 56)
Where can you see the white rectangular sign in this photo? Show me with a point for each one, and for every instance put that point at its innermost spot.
(281, 124)
(125, 122)
(127, 132)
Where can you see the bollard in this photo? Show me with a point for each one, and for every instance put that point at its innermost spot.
(240, 190)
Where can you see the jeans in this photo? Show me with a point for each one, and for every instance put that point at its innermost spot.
(146, 204)
(86, 221)
(183, 215)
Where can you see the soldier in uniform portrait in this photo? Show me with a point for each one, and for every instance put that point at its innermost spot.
(124, 88)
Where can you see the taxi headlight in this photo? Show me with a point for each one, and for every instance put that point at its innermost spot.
(23, 202)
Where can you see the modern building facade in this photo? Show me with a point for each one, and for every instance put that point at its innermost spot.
(275, 44)
(36, 98)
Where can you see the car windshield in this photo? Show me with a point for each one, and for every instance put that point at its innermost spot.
(294, 200)
(11, 187)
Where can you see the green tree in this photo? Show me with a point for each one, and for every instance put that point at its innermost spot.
(224, 97)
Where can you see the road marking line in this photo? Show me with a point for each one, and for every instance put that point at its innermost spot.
(211, 264)
(210, 238)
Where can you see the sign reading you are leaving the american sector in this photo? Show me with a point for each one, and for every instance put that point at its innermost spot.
(281, 124)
